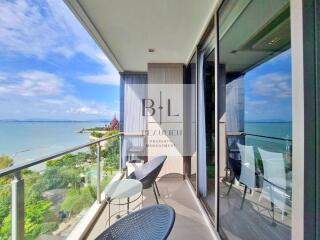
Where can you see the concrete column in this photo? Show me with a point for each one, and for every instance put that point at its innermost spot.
(305, 122)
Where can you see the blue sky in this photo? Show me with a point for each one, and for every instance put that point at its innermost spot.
(50, 68)
(268, 90)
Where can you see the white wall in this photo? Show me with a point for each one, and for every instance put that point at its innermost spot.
(167, 78)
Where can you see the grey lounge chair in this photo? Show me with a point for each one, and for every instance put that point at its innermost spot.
(244, 170)
(154, 222)
(148, 173)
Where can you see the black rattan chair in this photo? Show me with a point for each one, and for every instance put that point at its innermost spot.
(235, 166)
(148, 173)
(154, 222)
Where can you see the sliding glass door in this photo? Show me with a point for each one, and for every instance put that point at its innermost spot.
(255, 158)
(191, 162)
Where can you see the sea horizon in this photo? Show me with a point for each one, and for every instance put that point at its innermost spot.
(53, 120)
(27, 140)
(268, 121)
(269, 128)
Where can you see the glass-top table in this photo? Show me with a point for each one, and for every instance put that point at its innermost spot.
(122, 189)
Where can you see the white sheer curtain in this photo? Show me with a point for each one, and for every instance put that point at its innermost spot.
(235, 105)
(202, 161)
(133, 120)
(235, 113)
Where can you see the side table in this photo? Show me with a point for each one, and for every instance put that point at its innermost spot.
(123, 189)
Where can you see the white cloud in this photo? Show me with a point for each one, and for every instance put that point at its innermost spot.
(102, 79)
(256, 103)
(276, 85)
(67, 107)
(32, 83)
(3, 76)
(72, 105)
(40, 28)
(53, 101)
(87, 110)
(110, 77)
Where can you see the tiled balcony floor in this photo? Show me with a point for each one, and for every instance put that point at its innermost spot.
(189, 224)
(254, 221)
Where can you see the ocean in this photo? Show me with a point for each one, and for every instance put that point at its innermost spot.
(29, 140)
(270, 129)
(24, 141)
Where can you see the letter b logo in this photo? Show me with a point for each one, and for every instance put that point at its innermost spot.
(148, 104)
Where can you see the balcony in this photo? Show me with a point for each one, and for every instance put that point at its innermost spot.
(61, 196)
(176, 192)
(250, 193)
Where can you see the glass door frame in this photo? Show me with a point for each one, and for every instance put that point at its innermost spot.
(208, 45)
(305, 42)
(195, 187)
(305, 77)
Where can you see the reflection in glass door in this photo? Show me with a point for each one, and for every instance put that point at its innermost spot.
(255, 177)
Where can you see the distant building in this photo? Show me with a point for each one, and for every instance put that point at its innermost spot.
(113, 125)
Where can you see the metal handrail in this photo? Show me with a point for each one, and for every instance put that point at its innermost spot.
(21, 166)
(17, 198)
(256, 135)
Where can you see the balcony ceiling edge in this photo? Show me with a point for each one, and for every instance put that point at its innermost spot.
(85, 21)
(135, 33)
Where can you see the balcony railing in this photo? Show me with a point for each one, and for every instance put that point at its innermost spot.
(268, 143)
(277, 144)
(257, 135)
(49, 195)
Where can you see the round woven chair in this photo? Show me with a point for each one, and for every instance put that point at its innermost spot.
(148, 173)
(154, 222)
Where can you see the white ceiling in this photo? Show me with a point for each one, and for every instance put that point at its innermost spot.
(126, 29)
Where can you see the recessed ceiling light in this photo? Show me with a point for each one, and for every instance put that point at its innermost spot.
(274, 41)
(151, 50)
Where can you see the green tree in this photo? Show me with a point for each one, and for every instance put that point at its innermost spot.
(111, 152)
(5, 230)
(5, 161)
(70, 160)
(36, 208)
(5, 199)
(5, 203)
(97, 134)
(76, 201)
(64, 172)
